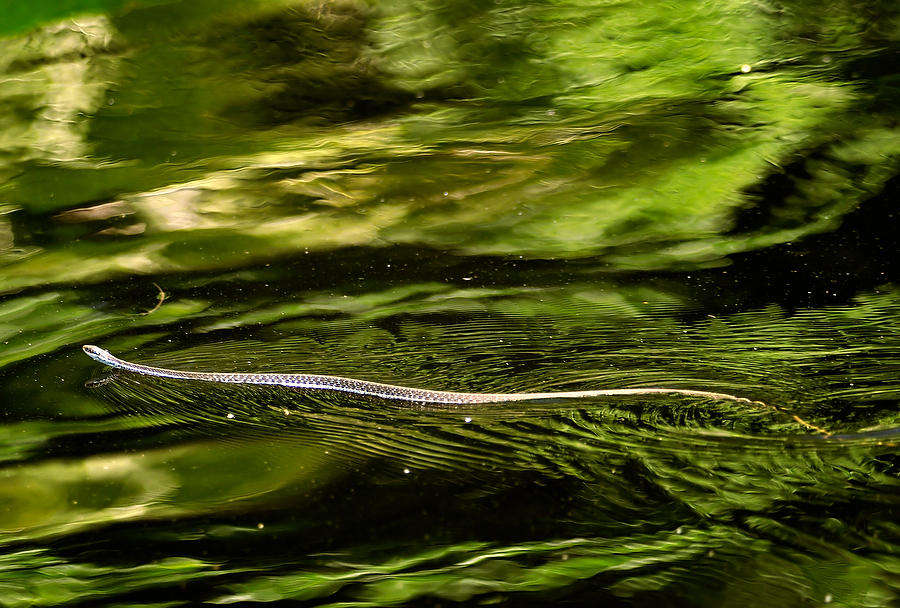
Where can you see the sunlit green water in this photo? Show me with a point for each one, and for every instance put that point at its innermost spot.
(490, 197)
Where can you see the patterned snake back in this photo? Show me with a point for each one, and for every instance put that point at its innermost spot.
(384, 391)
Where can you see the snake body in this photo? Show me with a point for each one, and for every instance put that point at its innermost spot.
(384, 391)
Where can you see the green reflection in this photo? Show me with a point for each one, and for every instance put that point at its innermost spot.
(459, 195)
(637, 135)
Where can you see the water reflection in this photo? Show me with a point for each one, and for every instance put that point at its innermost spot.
(521, 499)
(488, 197)
(509, 132)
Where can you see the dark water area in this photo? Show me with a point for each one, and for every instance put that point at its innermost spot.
(496, 197)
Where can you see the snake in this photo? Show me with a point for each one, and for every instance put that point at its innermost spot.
(385, 391)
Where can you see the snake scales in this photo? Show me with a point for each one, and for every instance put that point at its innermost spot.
(384, 391)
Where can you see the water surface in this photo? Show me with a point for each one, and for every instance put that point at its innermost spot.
(495, 197)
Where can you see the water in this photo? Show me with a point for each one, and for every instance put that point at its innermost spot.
(497, 197)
